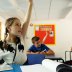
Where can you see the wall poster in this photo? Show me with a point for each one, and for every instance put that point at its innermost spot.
(46, 32)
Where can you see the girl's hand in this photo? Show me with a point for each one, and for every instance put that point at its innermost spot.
(30, 1)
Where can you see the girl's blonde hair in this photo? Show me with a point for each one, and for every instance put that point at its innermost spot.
(10, 21)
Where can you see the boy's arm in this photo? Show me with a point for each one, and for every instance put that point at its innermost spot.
(50, 52)
(28, 16)
(30, 52)
(47, 51)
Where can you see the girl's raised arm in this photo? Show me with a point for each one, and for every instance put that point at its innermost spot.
(28, 16)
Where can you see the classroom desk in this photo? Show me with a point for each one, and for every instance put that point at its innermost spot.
(16, 68)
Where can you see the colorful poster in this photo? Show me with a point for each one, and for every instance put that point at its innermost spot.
(46, 33)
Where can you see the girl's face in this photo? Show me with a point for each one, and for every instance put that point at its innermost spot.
(15, 28)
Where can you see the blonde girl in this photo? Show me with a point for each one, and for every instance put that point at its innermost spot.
(13, 32)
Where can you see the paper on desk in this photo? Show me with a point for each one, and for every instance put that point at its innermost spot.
(4, 66)
(34, 68)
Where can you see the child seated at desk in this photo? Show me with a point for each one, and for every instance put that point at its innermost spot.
(39, 48)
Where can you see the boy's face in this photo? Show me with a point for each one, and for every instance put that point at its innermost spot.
(37, 43)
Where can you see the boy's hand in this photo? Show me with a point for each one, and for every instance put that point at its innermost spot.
(42, 52)
(34, 52)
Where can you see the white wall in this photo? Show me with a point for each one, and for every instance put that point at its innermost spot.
(63, 36)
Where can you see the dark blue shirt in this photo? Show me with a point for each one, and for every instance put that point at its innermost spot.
(39, 49)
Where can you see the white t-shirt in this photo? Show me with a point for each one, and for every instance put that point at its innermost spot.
(20, 57)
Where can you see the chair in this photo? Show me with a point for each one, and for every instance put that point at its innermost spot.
(35, 58)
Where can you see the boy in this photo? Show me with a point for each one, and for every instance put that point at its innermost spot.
(39, 48)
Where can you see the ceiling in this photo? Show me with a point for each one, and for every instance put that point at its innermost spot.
(42, 9)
